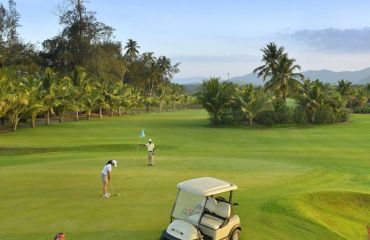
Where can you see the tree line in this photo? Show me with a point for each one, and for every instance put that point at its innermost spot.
(81, 70)
(286, 97)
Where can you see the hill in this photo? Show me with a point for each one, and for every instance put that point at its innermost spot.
(365, 81)
(327, 76)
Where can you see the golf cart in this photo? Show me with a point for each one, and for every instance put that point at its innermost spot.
(203, 210)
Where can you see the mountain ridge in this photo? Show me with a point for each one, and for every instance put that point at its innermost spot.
(325, 75)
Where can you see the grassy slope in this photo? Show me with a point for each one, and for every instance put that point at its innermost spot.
(294, 183)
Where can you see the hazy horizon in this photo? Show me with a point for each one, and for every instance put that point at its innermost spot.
(213, 38)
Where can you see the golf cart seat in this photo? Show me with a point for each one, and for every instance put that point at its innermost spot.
(219, 212)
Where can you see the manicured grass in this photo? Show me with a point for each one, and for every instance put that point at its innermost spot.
(294, 183)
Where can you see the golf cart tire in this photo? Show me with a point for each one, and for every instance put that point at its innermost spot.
(166, 236)
(235, 235)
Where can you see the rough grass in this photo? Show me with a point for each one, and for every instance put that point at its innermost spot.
(294, 183)
(344, 213)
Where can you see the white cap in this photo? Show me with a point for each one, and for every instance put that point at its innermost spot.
(114, 162)
(149, 140)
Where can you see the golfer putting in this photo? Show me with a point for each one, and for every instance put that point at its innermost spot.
(106, 176)
(150, 147)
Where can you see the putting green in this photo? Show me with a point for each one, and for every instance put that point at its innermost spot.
(294, 183)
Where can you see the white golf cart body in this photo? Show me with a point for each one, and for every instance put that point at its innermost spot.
(198, 215)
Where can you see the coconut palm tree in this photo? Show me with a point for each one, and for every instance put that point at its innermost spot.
(361, 96)
(17, 101)
(283, 78)
(345, 88)
(311, 98)
(90, 99)
(216, 98)
(135, 100)
(82, 88)
(131, 50)
(114, 95)
(64, 93)
(252, 102)
(49, 92)
(4, 90)
(36, 105)
(164, 90)
(271, 56)
(102, 87)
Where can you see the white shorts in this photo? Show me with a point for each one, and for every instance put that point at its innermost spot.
(104, 178)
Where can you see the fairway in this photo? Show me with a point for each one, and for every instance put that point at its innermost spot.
(294, 183)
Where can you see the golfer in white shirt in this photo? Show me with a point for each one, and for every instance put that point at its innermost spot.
(106, 176)
(150, 146)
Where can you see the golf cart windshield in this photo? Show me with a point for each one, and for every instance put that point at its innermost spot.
(188, 207)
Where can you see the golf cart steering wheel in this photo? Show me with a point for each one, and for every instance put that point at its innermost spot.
(221, 199)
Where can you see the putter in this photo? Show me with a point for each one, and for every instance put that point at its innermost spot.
(114, 191)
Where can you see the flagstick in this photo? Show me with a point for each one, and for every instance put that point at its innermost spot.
(137, 149)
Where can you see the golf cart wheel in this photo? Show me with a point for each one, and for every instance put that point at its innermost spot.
(235, 235)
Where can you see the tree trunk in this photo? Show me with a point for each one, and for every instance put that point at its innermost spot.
(33, 121)
(61, 118)
(119, 111)
(148, 107)
(250, 121)
(77, 116)
(48, 118)
(111, 112)
(100, 112)
(15, 123)
(174, 106)
(88, 114)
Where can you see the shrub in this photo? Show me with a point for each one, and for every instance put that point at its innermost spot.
(343, 115)
(325, 114)
(282, 112)
(300, 115)
(265, 118)
(365, 109)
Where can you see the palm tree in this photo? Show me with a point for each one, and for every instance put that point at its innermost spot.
(271, 56)
(135, 100)
(49, 90)
(188, 101)
(252, 102)
(36, 105)
(17, 101)
(345, 88)
(215, 97)
(284, 80)
(91, 100)
(361, 96)
(114, 95)
(131, 50)
(102, 87)
(4, 90)
(64, 94)
(164, 90)
(312, 98)
(81, 85)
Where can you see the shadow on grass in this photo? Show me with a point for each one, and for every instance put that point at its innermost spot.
(86, 148)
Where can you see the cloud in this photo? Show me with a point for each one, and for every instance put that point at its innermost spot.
(336, 40)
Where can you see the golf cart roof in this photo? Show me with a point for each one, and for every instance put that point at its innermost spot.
(206, 186)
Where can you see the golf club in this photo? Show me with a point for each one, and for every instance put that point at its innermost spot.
(114, 191)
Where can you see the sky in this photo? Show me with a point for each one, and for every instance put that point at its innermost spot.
(217, 37)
